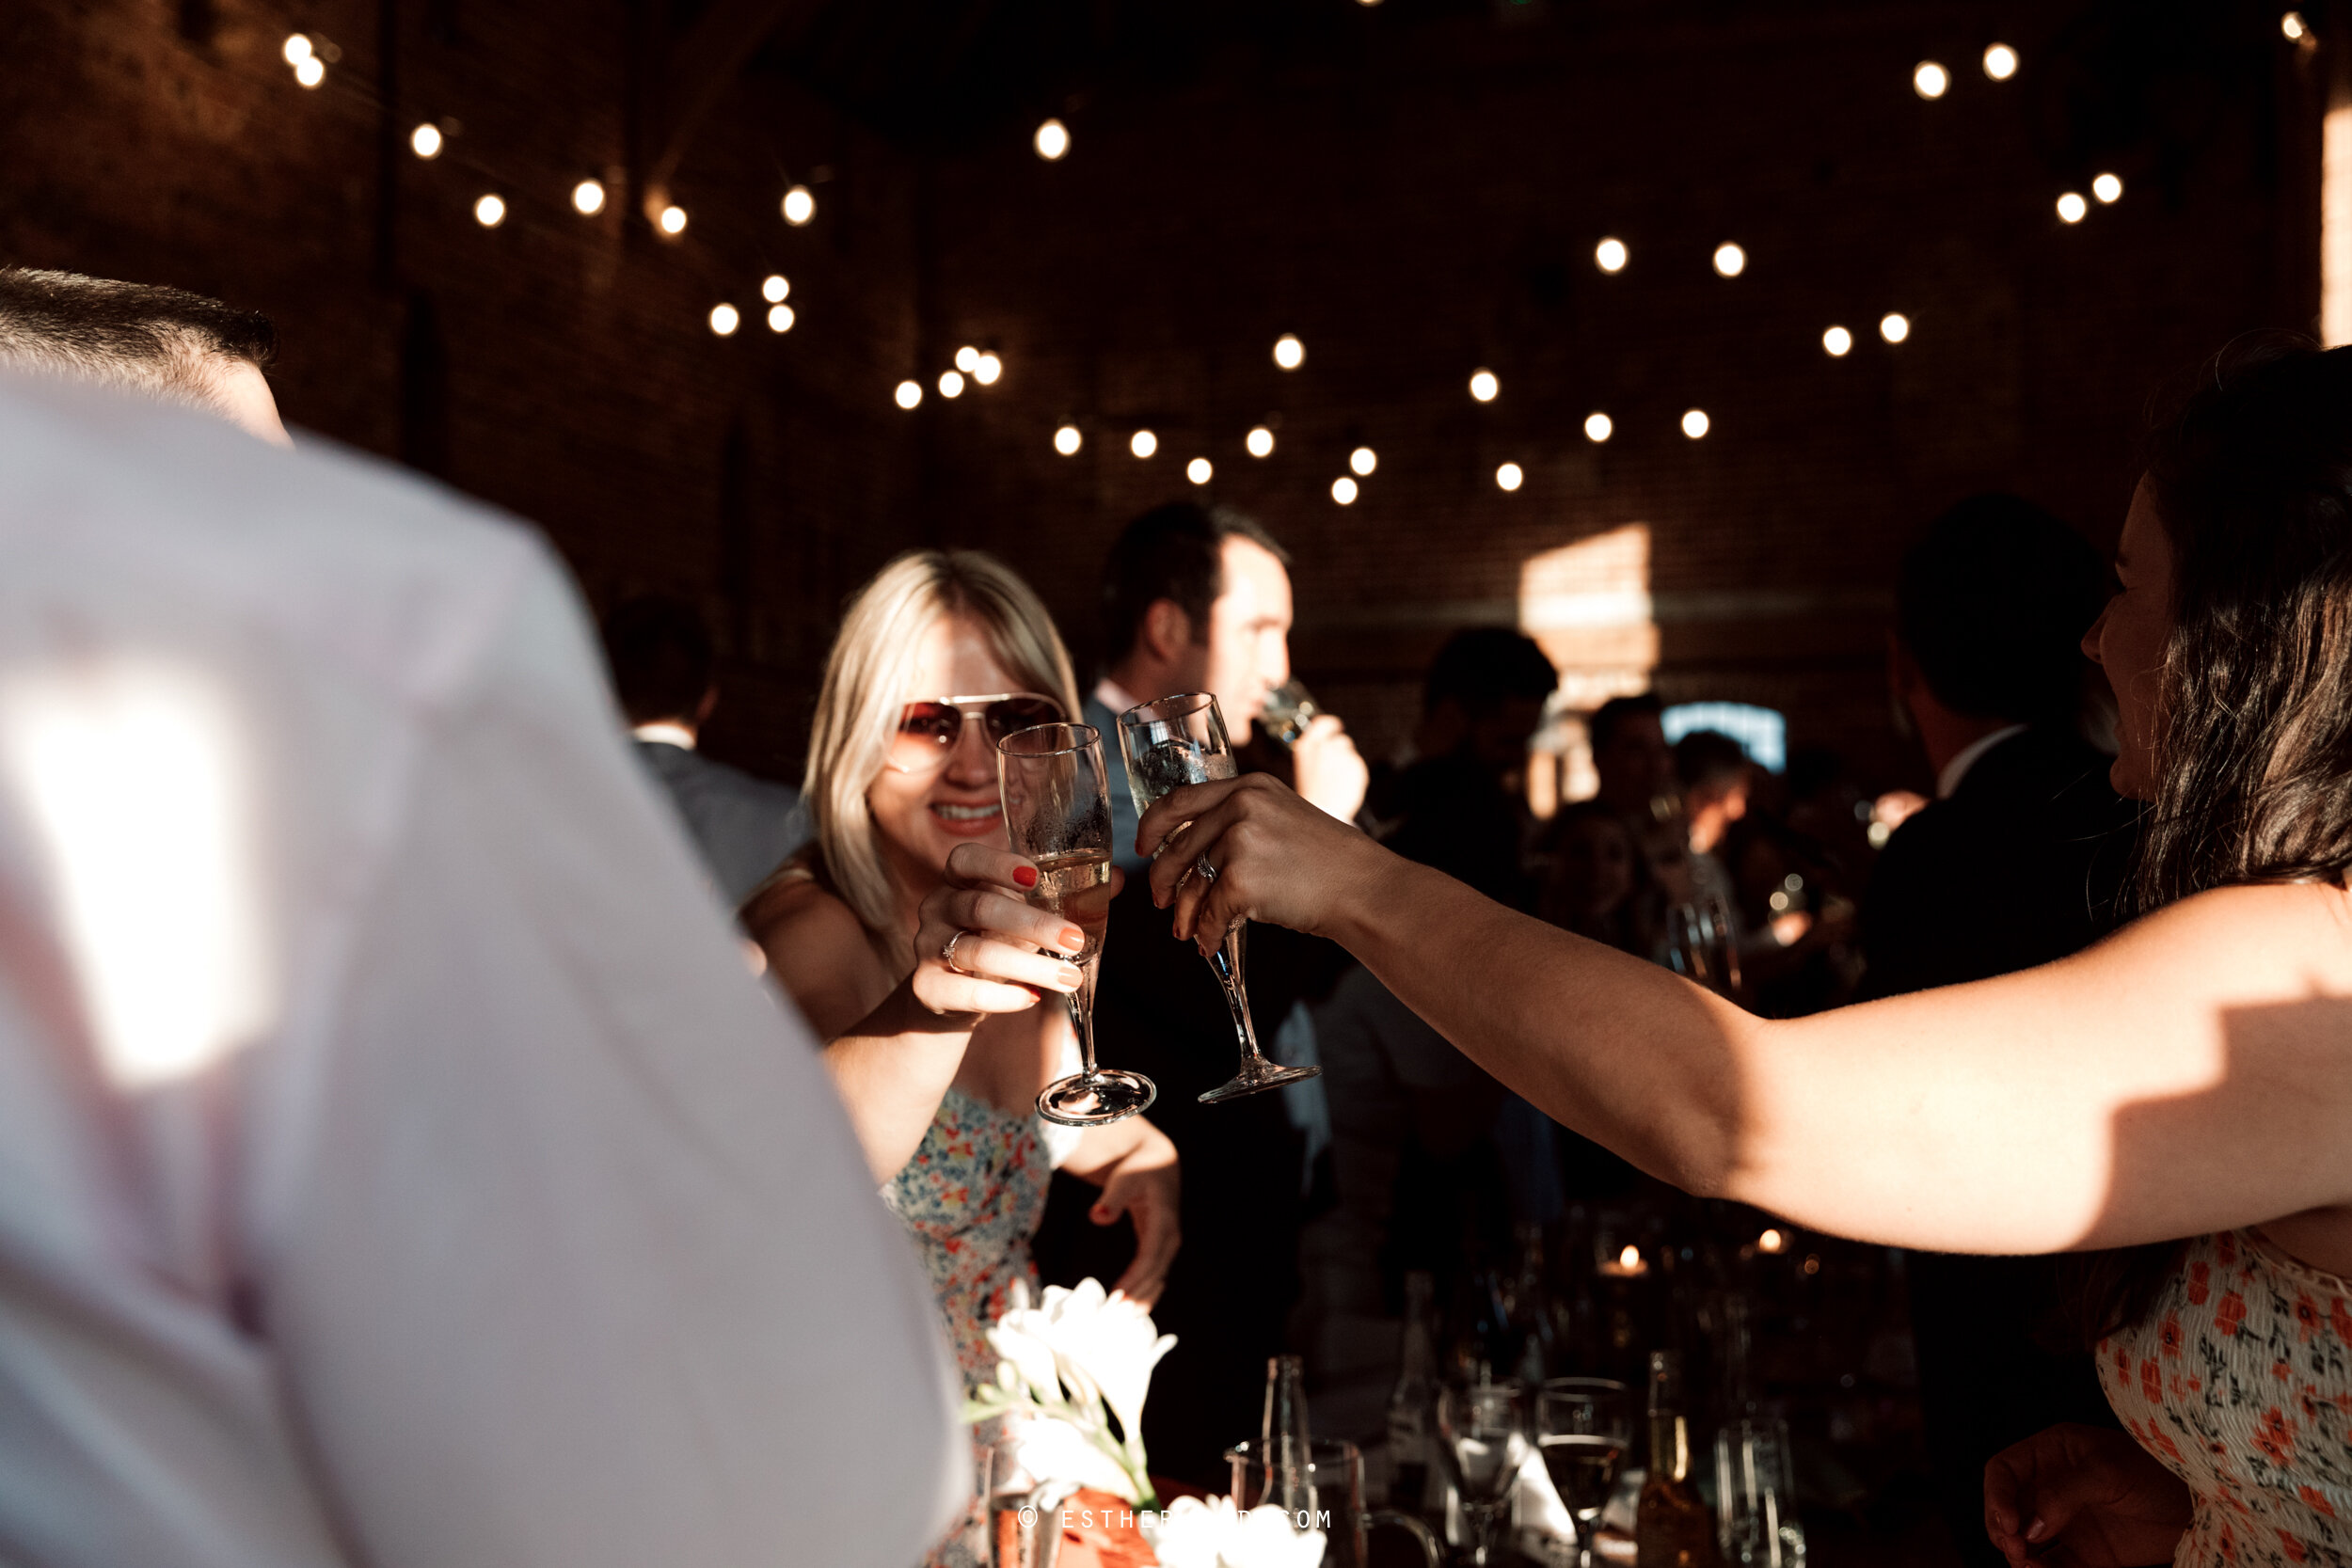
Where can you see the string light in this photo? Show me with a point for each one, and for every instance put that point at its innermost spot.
(2291, 24)
(2000, 63)
(1730, 260)
(309, 71)
(1051, 140)
(1343, 490)
(672, 220)
(1894, 326)
(1200, 470)
(2071, 207)
(1260, 441)
(425, 140)
(986, 368)
(2108, 188)
(1363, 460)
(490, 212)
(780, 318)
(724, 318)
(799, 206)
(951, 384)
(588, 198)
(775, 288)
(1484, 386)
(1067, 440)
(1930, 80)
(1772, 1241)
(1510, 476)
(1289, 351)
(966, 358)
(910, 393)
(1143, 443)
(1598, 428)
(1610, 255)
(1695, 423)
(298, 47)
(1837, 343)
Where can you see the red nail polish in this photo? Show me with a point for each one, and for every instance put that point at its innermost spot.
(1024, 874)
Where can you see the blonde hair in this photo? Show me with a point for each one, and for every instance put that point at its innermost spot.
(865, 690)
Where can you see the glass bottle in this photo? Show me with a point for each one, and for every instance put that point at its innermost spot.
(1412, 1404)
(1282, 1436)
(1673, 1526)
(1529, 1321)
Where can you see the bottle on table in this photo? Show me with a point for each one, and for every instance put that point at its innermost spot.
(1412, 1404)
(1283, 1438)
(1673, 1526)
(1529, 1315)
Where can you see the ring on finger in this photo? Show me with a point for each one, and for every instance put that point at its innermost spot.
(947, 953)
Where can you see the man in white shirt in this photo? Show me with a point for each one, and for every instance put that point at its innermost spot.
(397, 1164)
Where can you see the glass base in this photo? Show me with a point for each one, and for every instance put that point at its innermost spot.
(1089, 1100)
(1256, 1078)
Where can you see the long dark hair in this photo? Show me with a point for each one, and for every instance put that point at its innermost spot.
(2250, 472)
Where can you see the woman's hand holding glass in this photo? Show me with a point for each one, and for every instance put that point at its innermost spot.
(1276, 858)
(976, 944)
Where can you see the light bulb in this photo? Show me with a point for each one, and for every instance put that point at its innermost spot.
(1894, 326)
(425, 140)
(309, 71)
(986, 368)
(724, 318)
(2000, 63)
(588, 197)
(298, 48)
(1484, 386)
(1930, 80)
(799, 206)
(490, 212)
(2108, 188)
(1343, 490)
(674, 220)
(1200, 470)
(1260, 441)
(775, 288)
(1838, 341)
(1598, 427)
(2071, 207)
(1051, 140)
(909, 394)
(1730, 260)
(1510, 476)
(1143, 443)
(1610, 255)
(780, 318)
(1695, 423)
(966, 358)
(1363, 460)
(951, 384)
(2291, 24)
(1772, 1241)
(1289, 351)
(1067, 440)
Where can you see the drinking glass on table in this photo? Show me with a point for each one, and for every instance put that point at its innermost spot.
(1335, 1476)
(1057, 813)
(1483, 1431)
(1166, 744)
(1582, 1428)
(1756, 1520)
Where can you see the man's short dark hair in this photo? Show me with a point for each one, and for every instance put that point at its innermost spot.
(1613, 714)
(659, 650)
(1171, 552)
(1993, 604)
(1483, 667)
(1703, 756)
(138, 336)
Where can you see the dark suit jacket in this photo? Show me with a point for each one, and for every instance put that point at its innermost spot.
(2022, 865)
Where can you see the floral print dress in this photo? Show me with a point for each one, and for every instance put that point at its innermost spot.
(2239, 1380)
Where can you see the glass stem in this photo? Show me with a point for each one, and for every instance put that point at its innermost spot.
(1227, 961)
(1081, 1005)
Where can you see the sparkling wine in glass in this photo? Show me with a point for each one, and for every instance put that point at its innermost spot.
(1583, 1427)
(1482, 1434)
(1057, 813)
(1166, 744)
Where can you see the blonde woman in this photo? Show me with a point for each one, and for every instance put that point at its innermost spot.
(902, 933)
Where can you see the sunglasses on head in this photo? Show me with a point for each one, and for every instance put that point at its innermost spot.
(939, 723)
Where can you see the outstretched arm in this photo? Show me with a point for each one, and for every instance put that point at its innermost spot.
(2185, 1075)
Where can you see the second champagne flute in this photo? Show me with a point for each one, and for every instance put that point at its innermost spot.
(1166, 744)
(1057, 813)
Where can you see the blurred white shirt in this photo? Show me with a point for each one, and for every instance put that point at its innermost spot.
(397, 1164)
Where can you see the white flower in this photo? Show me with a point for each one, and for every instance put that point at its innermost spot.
(1084, 1358)
(1050, 1448)
(1194, 1534)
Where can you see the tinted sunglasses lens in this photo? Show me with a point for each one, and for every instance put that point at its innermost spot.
(933, 721)
(1020, 713)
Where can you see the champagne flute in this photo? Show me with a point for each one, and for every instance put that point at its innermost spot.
(1482, 1433)
(1176, 741)
(1583, 1427)
(1057, 813)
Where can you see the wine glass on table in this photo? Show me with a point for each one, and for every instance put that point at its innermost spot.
(1583, 1425)
(1057, 813)
(1167, 744)
(1482, 1434)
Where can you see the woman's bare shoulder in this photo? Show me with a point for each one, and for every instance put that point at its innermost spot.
(818, 950)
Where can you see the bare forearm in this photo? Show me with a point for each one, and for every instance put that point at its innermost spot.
(891, 1069)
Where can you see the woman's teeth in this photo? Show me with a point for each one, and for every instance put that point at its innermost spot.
(967, 813)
